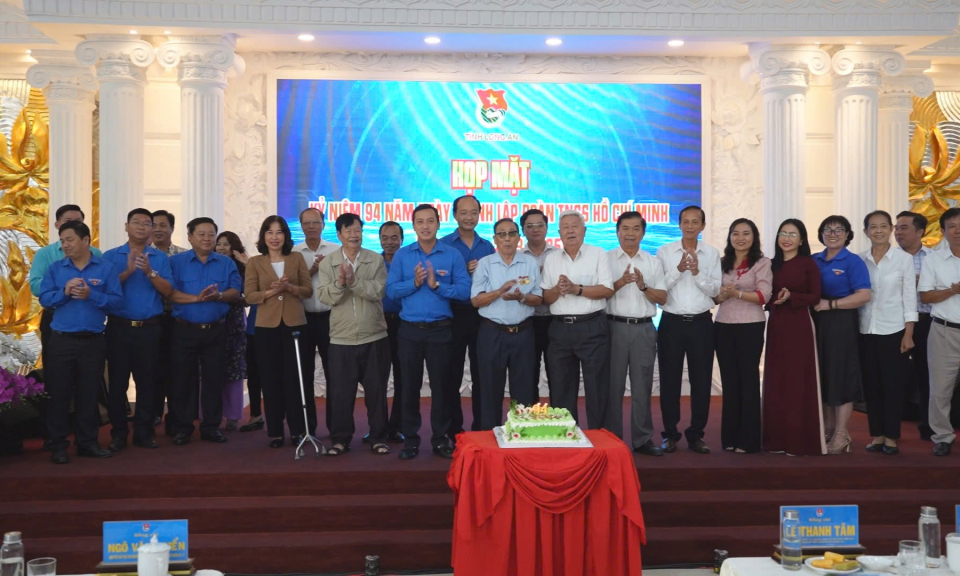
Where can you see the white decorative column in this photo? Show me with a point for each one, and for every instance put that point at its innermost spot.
(120, 61)
(856, 89)
(896, 104)
(204, 62)
(784, 72)
(69, 90)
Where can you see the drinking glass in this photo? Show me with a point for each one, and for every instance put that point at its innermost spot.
(953, 552)
(910, 559)
(42, 567)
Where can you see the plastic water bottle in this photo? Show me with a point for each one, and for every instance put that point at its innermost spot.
(930, 536)
(791, 552)
(11, 555)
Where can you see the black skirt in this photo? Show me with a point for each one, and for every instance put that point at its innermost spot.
(838, 336)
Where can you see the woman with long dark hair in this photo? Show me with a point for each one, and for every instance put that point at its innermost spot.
(739, 325)
(235, 358)
(792, 419)
(844, 288)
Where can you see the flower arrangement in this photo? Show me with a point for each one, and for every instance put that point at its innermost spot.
(15, 364)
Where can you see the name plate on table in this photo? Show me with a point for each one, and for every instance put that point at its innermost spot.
(823, 526)
(122, 539)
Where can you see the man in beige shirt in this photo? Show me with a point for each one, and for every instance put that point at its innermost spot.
(352, 283)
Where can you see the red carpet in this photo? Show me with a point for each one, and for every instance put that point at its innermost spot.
(256, 510)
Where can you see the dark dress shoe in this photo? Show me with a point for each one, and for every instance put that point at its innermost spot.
(93, 451)
(118, 444)
(891, 450)
(409, 453)
(668, 445)
(443, 452)
(296, 440)
(216, 437)
(699, 446)
(396, 437)
(252, 426)
(942, 449)
(59, 456)
(157, 421)
(181, 439)
(649, 449)
(874, 447)
(276, 443)
(145, 443)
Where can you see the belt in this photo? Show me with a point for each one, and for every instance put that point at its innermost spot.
(945, 323)
(80, 335)
(427, 325)
(690, 317)
(508, 328)
(317, 313)
(627, 320)
(391, 315)
(577, 318)
(201, 326)
(137, 323)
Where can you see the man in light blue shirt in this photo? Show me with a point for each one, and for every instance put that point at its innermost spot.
(506, 288)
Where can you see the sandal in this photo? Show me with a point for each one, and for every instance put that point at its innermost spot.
(380, 449)
(338, 449)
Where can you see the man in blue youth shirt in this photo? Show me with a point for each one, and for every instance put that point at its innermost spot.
(506, 288)
(134, 330)
(466, 320)
(80, 289)
(205, 283)
(424, 277)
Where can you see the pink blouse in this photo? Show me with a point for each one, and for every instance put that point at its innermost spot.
(757, 279)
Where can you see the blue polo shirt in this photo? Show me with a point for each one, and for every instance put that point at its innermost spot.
(843, 275)
(425, 304)
(75, 315)
(140, 299)
(389, 306)
(492, 272)
(42, 260)
(191, 276)
(479, 249)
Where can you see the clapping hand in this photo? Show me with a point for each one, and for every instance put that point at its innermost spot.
(419, 275)
(431, 279)
(143, 264)
(81, 290)
(209, 293)
(507, 286)
(782, 297)
(515, 294)
(628, 276)
(68, 289)
(316, 264)
(727, 292)
(349, 274)
(566, 286)
(132, 262)
(240, 256)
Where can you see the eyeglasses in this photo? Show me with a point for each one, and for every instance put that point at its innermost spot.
(141, 224)
(789, 235)
(535, 225)
(834, 231)
(312, 223)
(510, 234)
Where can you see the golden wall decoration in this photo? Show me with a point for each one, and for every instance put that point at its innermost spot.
(95, 217)
(933, 183)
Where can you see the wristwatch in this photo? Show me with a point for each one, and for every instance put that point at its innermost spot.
(644, 289)
(580, 292)
(153, 274)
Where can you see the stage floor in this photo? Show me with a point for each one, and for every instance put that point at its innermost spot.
(253, 509)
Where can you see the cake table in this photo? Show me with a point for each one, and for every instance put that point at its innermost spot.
(545, 511)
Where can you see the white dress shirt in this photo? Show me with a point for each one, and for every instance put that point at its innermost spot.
(629, 301)
(688, 294)
(313, 303)
(893, 293)
(941, 269)
(589, 268)
(543, 309)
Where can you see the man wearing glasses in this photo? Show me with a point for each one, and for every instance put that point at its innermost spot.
(533, 223)
(506, 288)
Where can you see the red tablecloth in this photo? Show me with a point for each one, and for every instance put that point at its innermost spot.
(545, 511)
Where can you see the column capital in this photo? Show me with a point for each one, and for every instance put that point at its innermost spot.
(61, 77)
(202, 59)
(116, 56)
(898, 91)
(862, 66)
(785, 66)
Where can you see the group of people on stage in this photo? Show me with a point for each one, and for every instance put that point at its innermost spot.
(175, 319)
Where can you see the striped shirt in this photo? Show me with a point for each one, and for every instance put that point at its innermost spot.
(918, 266)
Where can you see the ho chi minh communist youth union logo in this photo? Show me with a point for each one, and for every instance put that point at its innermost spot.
(493, 107)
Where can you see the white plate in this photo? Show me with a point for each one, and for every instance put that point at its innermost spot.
(877, 563)
(502, 441)
(809, 561)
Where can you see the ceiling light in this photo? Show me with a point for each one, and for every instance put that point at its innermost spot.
(133, 31)
(29, 51)
(554, 41)
(432, 40)
(675, 43)
(305, 37)
(167, 32)
(817, 43)
(859, 43)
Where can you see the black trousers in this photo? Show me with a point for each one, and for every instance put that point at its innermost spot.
(884, 370)
(584, 345)
(162, 384)
(73, 372)
(918, 384)
(739, 347)
(433, 344)
(316, 339)
(393, 337)
(690, 337)
(133, 350)
(499, 351)
(253, 378)
(466, 324)
(197, 349)
(277, 365)
(541, 342)
(367, 365)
